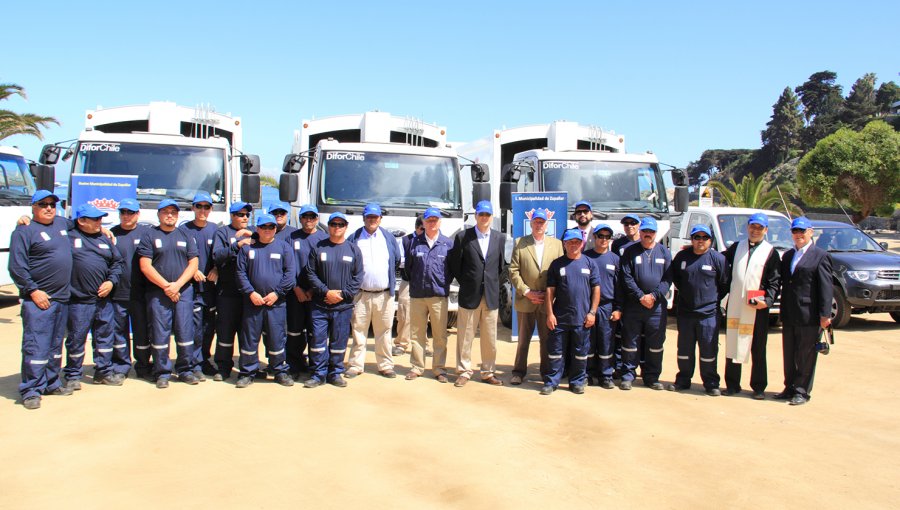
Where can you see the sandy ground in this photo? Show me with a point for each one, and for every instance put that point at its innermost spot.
(384, 443)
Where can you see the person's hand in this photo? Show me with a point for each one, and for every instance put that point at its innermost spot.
(270, 298)
(589, 320)
(108, 233)
(213, 275)
(244, 242)
(824, 322)
(199, 276)
(333, 297)
(760, 304)
(551, 322)
(257, 299)
(535, 296)
(41, 299)
(615, 315)
(243, 233)
(105, 288)
(25, 220)
(172, 291)
(647, 300)
(300, 294)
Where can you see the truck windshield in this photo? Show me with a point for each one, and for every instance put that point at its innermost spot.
(173, 171)
(734, 228)
(402, 180)
(608, 185)
(16, 184)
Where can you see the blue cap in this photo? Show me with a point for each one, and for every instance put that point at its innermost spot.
(372, 210)
(701, 228)
(584, 203)
(129, 204)
(278, 206)
(801, 222)
(265, 219)
(572, 233)
(484, 207)
(539, 213)
(88, 211)
(337, 215)
(202, 196)
(431, 212)
(648, 223)
(603, 226)
(634, 217)
(167, 203)
(758, 219)
(42, 194)
(308, 208)
(240, 206)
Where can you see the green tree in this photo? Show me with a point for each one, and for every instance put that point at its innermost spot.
(860, 167)
(782, 133)
(822, 102)
(753, 192)
(888, 93)
(860, 106)
(12, 123)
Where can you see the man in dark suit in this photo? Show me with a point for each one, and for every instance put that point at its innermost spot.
(476, 261)
(806, 293)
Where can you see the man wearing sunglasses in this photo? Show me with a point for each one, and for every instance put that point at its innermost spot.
(646, 278)
(601, 363)
(334, 273)
(227, 243)
(701, 276)
(583, 214)
(807, 290)
(630, 223)
(753, 266)
(40, 264)
(299, 304)
(265, 274)
(168, 259)
(281, 211)
(128, 298)
(202, 231)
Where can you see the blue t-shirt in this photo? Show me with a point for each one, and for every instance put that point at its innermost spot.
(132, 284)
(170, 252)
(41, 259)
(700, 279)
(266, 268)
(573, 282)
(203, 236)
(94, 261)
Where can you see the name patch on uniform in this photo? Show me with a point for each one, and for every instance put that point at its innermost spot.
(77, 243)
(157, 243)
(233, 240)
(660, 261)
(275, 256)
(637, 260)
(63, 233)
(611, 267)
(585, 270)
(181, 244)
(137, 242)
(251, 254)
(296, 245)
(103, 246)
(562, 271)
(707, 268)
(323, 257)
(347, 259)
(45, 236)
(683, 264)
(209, 241)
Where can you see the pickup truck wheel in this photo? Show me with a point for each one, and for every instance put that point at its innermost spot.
(895, 316)
(840, 309)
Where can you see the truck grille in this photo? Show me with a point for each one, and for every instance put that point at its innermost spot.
(888, 294)
(888, 274)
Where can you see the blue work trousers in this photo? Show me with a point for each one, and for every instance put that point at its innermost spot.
(299, 330)
(694, 331)
(257, 319)
(131, 328)
(204, 328)
(167, 317)
(602, 355)
(229, 311)
(331, 330)
(573, 341)
(42, 341)
(98, 319)
(637, 321)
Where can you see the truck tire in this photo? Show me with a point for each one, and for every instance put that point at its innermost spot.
(506, 301)
(840, 309)
(895, 316)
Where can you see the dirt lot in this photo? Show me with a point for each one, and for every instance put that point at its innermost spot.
(399, 444)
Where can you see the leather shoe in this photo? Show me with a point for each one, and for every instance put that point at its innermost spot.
(798, 400)
(390, 374)
(162, 383)
(578, 389)
(442, 378)
(398, 351)
(658, 386)
(758, 395)
(461, 381)
(312, 382)
(338, 381)
(625, 385)
(607, 384)
(243, 382)
(515, 380)
(730, 391)
(784, 395)
(547, 389)
(493, 381)
(32, 403)
(350, 374)
(714, 392)
(284, 379)
(412, 376)
(62, 391)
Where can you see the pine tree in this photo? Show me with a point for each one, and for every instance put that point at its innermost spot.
(782, 133)
(860, 106)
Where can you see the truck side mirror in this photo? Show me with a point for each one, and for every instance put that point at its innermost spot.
(293, 163)
(49, 155)
(506, 190)
(250, 166)
(44, 176)
(682, 199)
(288, 187)
(481, 172)
(481, 191)
(679, 177)
(511, 172)
(250, 190)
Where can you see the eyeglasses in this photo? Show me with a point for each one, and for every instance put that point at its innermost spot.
(241, 214)
(126, 212)
(645, 231)
(44, 205)
(268, 226)
(582, 211)
(700, 238)
(630, 223)
(278, 213)
(309, 217)
(168, 212)
(337, 225)
(603, 236)
(205, 207)
(798, 231)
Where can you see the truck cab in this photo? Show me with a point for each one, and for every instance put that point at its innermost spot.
(16, 187)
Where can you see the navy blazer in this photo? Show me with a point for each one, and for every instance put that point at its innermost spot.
(478, 276)
(393, 254)
(806, 294)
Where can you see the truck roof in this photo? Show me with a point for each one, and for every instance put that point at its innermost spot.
(587, 155)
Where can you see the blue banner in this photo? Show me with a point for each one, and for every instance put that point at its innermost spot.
(103, 191)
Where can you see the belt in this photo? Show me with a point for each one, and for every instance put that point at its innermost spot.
(375, 291)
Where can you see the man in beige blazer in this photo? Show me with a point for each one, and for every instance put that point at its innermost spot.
(528, 274)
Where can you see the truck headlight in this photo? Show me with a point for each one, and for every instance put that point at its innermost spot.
(860, 276)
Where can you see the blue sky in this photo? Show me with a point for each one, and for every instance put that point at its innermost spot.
(673, 77)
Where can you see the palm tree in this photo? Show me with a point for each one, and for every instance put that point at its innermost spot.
(12, 123)
(753, 192)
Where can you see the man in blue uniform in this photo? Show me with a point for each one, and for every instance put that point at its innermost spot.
(40, 264)
(334, 272)
(202, 231)
(600, 358)
(265, 274)
(646, 279)
(96, 268)
(280, 211)
(573, 295)
(630, 224)
(128, 299)
(402, 340)
(168, 259)
(299, 301)
(427, 263)
(701, 277)
(227, 242)
(807, 290)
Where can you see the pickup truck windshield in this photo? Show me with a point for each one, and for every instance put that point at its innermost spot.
(400, 180)
(16, 184)
(734, 228)
(836, 239)
(163, 170)
(607, 185)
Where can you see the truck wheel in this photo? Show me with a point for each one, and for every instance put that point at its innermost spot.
(895, 316)
(840, 309)
(506, 304)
